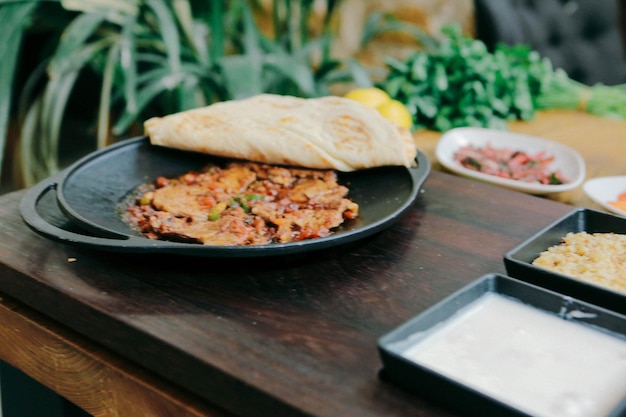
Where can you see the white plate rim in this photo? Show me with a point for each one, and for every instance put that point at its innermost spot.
(454, 138)
(594, 188)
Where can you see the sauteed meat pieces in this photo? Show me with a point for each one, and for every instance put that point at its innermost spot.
(241, 204)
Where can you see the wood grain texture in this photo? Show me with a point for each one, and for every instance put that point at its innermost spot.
(81, 371)
(292, 336)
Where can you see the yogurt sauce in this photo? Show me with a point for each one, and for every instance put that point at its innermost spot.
(528, 358)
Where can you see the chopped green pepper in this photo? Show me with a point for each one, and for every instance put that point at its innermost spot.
(214, 214)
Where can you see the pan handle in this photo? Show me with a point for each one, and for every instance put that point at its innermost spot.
(32, 218)
(421, 171)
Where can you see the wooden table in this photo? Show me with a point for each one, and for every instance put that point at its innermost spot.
(145, 335)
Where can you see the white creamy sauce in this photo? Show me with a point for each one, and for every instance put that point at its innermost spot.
(528, 358)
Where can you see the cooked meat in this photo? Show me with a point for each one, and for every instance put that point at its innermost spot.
(244, 203)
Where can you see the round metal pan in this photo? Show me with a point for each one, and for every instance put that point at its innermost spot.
(90, 191)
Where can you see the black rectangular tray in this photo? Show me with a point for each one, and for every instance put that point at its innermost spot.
(518, 261)
(457, 396)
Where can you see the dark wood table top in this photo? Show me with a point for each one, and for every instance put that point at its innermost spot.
(290, 336)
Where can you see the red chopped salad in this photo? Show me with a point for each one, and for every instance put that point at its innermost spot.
(510, 164)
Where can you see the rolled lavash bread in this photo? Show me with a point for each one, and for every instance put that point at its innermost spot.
(324, 133)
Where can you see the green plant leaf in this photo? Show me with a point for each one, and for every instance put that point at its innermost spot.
(32, 168)
(124, 7)
(75, 38)
(39, 138)
(217, 31)
(335, 72)
(128, 62)
(183, 12)
(65, 68)
(380, 22)
(169, 31)
(294, 69)
(242, 75)
(251, 36)
(105, 96)
(55, 100)
(13, 18)
(152, 83)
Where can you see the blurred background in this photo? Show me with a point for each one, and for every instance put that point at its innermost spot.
(78, 75)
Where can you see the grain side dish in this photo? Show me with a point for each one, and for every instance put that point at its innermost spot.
(242, 203)
(597, 258)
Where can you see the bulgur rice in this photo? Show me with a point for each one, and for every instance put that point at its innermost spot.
(597, 258)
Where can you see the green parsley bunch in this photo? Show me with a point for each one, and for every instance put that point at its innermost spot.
(459, 82)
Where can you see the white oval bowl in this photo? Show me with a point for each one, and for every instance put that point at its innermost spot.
(566, 159)
(603, 190)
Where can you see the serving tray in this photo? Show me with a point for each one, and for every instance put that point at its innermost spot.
(463, 393)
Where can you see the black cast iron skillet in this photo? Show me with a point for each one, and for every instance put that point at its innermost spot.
(89, 194)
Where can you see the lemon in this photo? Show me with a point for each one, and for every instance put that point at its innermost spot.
(389, 108)
(369, 96)
(396, 112)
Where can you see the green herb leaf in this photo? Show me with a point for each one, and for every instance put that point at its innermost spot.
(461, 83)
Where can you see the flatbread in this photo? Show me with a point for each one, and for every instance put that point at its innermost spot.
(324, 133)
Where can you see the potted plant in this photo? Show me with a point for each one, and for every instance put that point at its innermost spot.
(121, 61)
